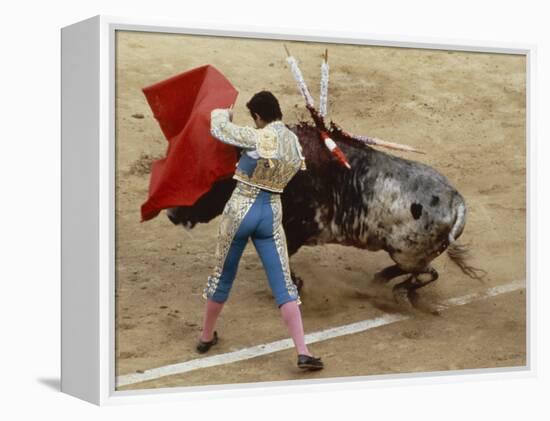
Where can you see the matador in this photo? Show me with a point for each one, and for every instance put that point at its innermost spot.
(271, 156)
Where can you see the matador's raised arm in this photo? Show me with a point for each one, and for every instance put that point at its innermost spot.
(224, 130)
(264, 141)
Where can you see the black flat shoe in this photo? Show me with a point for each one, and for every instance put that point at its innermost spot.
(203, 347)
(306, 362)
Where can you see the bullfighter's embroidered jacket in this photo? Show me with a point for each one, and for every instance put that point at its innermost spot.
(271, 157)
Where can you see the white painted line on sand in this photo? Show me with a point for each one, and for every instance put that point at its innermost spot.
(323, 335)
(482, 295)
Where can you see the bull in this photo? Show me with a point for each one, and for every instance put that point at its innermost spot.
(384, 202)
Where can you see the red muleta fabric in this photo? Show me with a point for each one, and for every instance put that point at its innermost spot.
(194, 159)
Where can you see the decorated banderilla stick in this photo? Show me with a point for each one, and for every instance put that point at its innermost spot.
(323, 97)
(297, 73)
(317, 117)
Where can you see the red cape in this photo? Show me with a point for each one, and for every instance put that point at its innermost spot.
(194, 160)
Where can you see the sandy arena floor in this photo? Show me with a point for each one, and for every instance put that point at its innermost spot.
(467, 110)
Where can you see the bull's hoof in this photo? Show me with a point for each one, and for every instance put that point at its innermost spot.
(415, 302)
(402, 297)
(379, 278)
(412, 295)
(299, 282)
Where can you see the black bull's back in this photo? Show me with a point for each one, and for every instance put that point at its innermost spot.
(383, 202)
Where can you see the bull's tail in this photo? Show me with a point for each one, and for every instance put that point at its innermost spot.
(460, 218)
(460, 254)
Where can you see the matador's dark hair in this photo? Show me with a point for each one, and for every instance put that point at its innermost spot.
(266, 106)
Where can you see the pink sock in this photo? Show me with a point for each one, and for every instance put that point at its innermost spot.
(211, 313)
(293, 319)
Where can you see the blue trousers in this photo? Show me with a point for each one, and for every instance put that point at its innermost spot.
(252, 213)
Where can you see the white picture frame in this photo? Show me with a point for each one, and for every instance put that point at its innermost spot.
(88, 197)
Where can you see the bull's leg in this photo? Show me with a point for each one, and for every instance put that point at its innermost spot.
(383, 277)
(424, 278)
(401, 291)
(299, 282)
(405, 292)
(293, 244)
(387, 274)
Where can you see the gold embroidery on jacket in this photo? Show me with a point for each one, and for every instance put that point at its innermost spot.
(267, 145)
(264, 141)
(281, 164)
